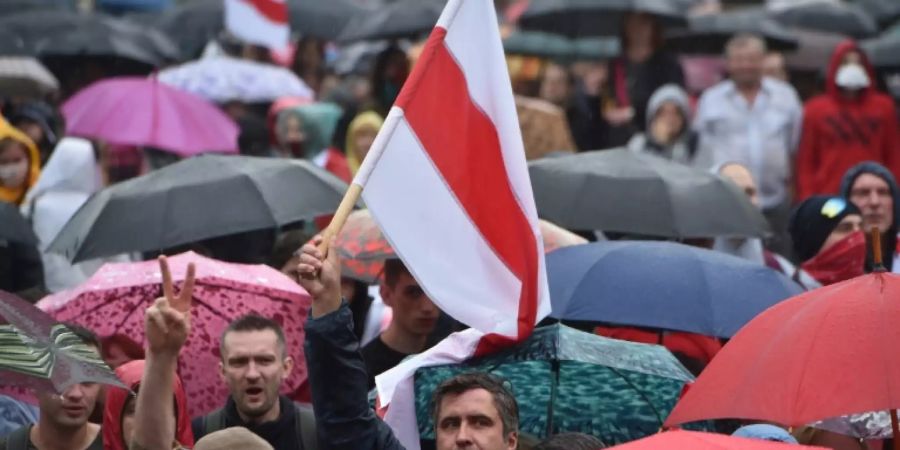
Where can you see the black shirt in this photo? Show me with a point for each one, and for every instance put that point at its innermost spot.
(279, 433)
(96, 444)
(380, 358)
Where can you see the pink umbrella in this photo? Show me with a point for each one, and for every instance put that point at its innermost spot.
(143, 112)
(114, 299)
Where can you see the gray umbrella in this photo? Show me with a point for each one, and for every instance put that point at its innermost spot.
(399, 19)
(884, 52)
(835, 17)
(707, 34)
(583, 18)
(196, 199)
(621, 191)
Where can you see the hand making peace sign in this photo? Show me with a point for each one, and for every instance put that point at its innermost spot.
(167, 322)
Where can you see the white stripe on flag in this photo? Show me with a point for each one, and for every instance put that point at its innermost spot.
(244, 21)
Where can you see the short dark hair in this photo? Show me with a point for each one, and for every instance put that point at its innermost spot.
(86, 335)
(254, 322)
(570, 441)
(393, 268)
(504, 400)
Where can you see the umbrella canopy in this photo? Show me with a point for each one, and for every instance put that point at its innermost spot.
(884, 51)
(708, 33)
(814, 51)
(197, 199)
(226, 79)
(113, 301)
(622, 191)
(569, 380)
(364, 249)
(38, 353)
(143, 112)
(826, 353)
(14, 227)
(835, 17)
(883, 11)
(581, 18)
(661, 285)
(553, 46)
(705, 441)
(398, 19)
(25, 76)
(59, 33)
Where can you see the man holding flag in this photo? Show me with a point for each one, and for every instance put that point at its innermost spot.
(449, 161)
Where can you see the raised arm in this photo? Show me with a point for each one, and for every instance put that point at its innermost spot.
(167, 325)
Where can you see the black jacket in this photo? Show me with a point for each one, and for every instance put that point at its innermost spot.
(337, 378)
(280, 434)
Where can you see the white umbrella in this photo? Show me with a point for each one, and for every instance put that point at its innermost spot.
(25, 76)
(224, 79)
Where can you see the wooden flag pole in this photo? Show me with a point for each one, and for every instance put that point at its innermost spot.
(340, 216)
(895, 427)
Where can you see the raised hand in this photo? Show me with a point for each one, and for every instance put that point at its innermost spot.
(167, 322)
(320, 275)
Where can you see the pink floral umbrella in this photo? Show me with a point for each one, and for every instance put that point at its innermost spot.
(113, 301)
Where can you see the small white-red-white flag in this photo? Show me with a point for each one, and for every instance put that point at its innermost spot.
(446, 180)
(260, 22)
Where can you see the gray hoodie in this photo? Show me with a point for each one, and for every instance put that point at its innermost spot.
(683, 150)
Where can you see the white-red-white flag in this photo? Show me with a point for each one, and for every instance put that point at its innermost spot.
(260, 22)
(447, 181)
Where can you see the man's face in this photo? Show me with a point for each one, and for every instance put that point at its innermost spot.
(745, 65)
(742, 177)
(71, 409)
(413, 310)
(848, 225)
(872, 195)
(471, 421)
(254, 366)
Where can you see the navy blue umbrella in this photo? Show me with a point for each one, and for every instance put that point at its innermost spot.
(661, 285)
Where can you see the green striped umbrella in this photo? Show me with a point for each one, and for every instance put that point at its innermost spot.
(566, 380)
(38, 353)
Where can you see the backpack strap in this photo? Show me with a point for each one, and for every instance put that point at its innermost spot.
(214, 421)
(18, 440)
(305, 426)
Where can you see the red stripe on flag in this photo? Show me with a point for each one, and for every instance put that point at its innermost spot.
(463, 144)
(274, 10)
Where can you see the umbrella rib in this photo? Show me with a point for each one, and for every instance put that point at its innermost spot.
(640, 392)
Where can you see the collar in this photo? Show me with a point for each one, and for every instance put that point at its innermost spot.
(286, 416)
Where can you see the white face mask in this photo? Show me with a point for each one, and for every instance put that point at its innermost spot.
(852, 76)
(13, 175)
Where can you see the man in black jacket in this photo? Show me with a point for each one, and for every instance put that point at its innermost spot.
(470, 411)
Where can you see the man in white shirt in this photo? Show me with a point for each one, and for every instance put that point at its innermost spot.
(755, 121)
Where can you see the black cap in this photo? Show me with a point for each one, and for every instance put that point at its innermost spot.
(814, 220)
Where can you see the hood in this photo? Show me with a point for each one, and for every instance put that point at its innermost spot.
(842, 49)
(670, 93)
(319, 123)
(878, 170)
(71, 167)
(130, 374)
(17, 195)
(368, 119)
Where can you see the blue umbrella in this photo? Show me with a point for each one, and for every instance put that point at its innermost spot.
(661, 285)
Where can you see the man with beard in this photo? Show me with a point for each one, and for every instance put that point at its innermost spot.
(254, 365)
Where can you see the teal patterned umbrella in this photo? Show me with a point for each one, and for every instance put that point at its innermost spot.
(38, 353)
(569, 380)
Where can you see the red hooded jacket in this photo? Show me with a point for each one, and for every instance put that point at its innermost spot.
(838, 132)
(130, 374)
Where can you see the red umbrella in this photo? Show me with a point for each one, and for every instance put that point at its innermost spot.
(114, 299)
(704, 441)
(364, 249)
(825, 353)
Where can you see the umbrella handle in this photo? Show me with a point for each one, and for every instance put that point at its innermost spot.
(340, 216)
(895, 427)
(877, 257)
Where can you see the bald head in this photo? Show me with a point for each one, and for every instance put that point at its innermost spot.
(741, 176)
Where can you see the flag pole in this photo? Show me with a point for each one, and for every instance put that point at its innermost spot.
(351, 197)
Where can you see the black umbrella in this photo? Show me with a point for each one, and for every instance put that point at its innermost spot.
(553, 46)
(708, 34)
(883, 11)
(38, 353)
(196, 199)
(884, 52)
(836, 17)
(14, 227)
(59, 33)
(581, 18)
(400, 19)
(622, 191)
